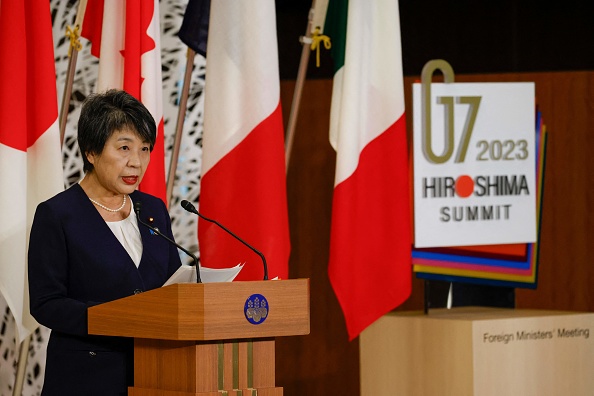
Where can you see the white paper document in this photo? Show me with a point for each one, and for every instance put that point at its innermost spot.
(187, 274)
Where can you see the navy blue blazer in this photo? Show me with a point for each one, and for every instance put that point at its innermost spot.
(75, 261)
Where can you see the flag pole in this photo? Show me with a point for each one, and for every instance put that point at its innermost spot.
(67, 93)
(75, 46)
(181, 115)
(301, 74)
(19, 379)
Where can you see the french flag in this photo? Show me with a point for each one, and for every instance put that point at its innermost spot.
(243, 183)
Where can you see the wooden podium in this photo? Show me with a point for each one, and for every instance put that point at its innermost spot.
(196, 339)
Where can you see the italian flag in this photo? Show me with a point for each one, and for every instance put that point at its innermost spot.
(30, 154)
(243, 183)
(370, 243)
(125, 36)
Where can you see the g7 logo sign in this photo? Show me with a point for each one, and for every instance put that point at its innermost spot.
(448, 102)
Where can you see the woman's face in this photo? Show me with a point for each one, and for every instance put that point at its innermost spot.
(119, 168)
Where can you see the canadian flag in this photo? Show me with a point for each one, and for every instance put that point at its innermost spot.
(30, 154)
(125, 36)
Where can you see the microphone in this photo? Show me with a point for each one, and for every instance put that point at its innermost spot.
(137, 209)
(190, 208)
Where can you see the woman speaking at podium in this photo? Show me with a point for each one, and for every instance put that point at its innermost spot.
(86, 248)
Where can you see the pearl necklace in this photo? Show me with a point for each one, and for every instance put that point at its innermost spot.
(108, 209)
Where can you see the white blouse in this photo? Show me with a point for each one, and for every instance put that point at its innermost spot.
(127, 232)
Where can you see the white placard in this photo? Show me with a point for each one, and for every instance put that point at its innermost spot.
(475, 185)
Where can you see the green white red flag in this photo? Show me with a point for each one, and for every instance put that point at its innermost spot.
(370, 243)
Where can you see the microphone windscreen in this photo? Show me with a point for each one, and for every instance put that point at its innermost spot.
(137, 207)
(188, 206)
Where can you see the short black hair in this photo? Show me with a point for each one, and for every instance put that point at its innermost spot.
(104, 113)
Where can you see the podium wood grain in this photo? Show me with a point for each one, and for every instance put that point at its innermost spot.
(194, 339)
(208, 311)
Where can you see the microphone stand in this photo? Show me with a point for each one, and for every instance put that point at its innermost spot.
(137, 208)
(190, 208)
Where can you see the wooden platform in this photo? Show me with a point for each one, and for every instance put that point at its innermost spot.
(479, 351)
